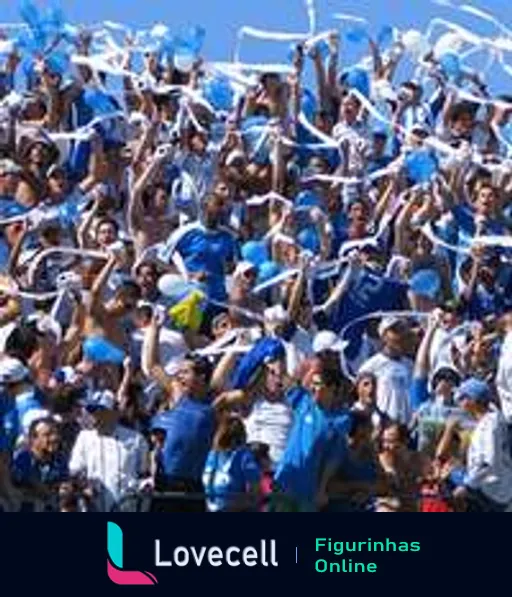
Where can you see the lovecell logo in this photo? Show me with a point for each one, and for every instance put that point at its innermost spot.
(115, 561)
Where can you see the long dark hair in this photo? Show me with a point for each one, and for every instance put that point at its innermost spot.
(230, 433)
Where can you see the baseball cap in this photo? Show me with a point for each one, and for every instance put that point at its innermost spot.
(242, 268)
(327, 340)
(380, 131)
(474, 389)
(446, 373)
(101, 400)
(7, 166)
(33, 415)
(388, 323)
(12, 370)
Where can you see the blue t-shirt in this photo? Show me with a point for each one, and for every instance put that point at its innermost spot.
(12, 412)
(226, 476)
(317, 439)
(189, 428)
(27, 470)
(209, 251)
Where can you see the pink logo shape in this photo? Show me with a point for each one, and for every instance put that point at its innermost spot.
(129, 577)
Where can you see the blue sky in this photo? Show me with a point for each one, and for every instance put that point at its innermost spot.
(222, 19)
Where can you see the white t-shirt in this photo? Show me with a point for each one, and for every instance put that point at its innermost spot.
(113, 463)
(270, 423)
(394, 377)
(489, 463)
(504, 377)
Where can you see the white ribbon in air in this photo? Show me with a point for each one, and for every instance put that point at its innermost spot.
(311, 10)
(263, 34)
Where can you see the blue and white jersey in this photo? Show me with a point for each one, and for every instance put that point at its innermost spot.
(227, 475)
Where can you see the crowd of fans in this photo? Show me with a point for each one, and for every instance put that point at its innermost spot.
(226, 294)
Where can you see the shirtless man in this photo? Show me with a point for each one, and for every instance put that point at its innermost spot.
(104, 318)
(148, 215)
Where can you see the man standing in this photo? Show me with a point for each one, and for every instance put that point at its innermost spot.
(393, 372)
(317, 442)
(488, 482)
(39, 468)
(188, 428)
(110, 459)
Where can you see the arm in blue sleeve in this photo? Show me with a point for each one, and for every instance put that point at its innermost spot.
(78, 161)
(419, 392)
(436, 103)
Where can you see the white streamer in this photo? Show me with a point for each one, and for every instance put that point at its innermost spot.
(65, 251)
(281, 277)
(311, 9)
(345, 17)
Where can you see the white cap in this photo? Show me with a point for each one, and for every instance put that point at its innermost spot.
(276, 314)
(34, 414)
(327, 340)
(12, 370)
(242, 268)
(387, 323)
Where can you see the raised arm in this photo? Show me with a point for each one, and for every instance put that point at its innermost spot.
(334, 56)
(321, 78)
(101, 280)
(344, 284)
(150, 359)
(422, 362)
(135, 211)
(470, 287)
(85, 226)
(97, 167)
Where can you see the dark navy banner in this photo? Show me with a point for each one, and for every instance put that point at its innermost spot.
(153, 553)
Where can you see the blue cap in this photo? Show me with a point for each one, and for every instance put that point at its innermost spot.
(426, 282)
(474, 389)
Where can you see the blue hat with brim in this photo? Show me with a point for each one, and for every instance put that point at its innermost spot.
(474, 389)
